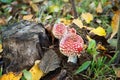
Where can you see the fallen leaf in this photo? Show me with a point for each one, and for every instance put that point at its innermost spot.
(28, 17)
(92, 5)
(34, 6)
(49, 62)
(115, 23)
(116, 68)
(65, 0)
(26, 1)
(48, 17)
(65, 21)
(99, 8)
(99, 31)
(2, 21)
(54, 8)
(78, 22)
(61, 75)
(37, 1)
(112, 42)
(100, 47)
(1, 49)
(88, 37)
(88, 28)
(11, 76)
(117, 72)
(87, 17)
(36, 72)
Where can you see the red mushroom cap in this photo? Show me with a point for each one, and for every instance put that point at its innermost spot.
(71, 43)
(59, 30)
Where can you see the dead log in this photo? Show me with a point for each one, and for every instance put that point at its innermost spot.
(23, 43)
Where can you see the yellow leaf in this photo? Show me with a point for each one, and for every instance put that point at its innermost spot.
(88, 37)
(36, 72)
(1, 49)
(78, 23)
(99, 31)
(11, 76)
(27, 17)
(54, 8)
(99, 8)
(87, 17)
(115, 23)
(88, 28)
(65, 0)
(65, 21)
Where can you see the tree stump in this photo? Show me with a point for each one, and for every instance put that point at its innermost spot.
(22, 43)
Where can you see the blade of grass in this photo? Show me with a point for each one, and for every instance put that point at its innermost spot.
(113, 58)
(83, 67)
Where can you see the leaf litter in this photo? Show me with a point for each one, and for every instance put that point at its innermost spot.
(86, 23)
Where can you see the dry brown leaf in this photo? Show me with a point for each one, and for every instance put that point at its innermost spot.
(11, 76)
(2, 21)
(101, 47)
(49, 62)
(115, 23)
(36, 72)
(28, 17)
(99, 8)
(117, 72)
(34, 6)
(116, 69)
(78, 22)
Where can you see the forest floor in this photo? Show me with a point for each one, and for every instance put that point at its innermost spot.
(97, 22)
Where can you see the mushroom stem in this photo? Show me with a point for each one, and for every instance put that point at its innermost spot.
(72, 58)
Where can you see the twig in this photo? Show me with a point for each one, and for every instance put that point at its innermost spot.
(74, 8)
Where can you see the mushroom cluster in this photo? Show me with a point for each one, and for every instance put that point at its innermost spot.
(71, 44)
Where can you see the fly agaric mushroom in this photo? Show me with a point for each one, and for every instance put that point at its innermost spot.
(59, 30)
(71, 45)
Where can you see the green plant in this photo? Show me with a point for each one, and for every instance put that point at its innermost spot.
(83, 67)
(98, 68)
(1, 70)
(26, 75)
(92, 49)
(6, 1)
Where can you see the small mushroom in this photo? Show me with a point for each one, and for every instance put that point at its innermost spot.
(71, 45)
(59, 30)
